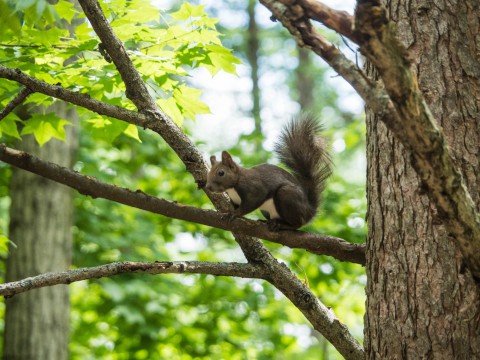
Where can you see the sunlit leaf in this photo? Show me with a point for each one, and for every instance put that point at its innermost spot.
(132, 131)
(188, 101)
(66, 10)
(45, 126)
(107, 128)
(9, 126)
(171, 108)
(221, 59)
(188, 11)
(3, 245)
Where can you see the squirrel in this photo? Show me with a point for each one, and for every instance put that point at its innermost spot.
(288, 200)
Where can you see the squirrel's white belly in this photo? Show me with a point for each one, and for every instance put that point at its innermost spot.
(232, 193)
(269, 206)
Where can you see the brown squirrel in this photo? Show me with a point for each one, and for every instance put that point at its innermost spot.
(288, 200)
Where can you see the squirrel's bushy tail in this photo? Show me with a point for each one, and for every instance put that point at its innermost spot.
(305, 152)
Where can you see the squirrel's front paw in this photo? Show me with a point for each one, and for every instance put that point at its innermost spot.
(228, 216)
(273, 225)
(278, 225)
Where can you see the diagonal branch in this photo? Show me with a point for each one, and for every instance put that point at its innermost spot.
(128, 267)
(138, 93)
(21, 96)
(87, 185)
(136, 88)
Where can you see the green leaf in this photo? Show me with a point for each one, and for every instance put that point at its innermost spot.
(188, 101)
(66, 10)
(3, 245)
(170, 107)
(8, 18)
(45, 126)
(106, 128)
(39, 99)
(132, 131)
(9, 126)
(40, 7)
(222, 59)
(46, 37)
(188, 11)
(207, 36)
(24, 4)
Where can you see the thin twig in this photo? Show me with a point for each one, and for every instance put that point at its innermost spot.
(21, 96)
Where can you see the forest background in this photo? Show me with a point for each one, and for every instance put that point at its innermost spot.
(220, 105)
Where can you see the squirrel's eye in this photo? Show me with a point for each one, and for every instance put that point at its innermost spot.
(221, 173)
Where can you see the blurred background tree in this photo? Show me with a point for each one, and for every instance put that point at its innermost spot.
(201, 317)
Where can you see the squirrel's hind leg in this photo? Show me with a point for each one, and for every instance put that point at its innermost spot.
(292, 206)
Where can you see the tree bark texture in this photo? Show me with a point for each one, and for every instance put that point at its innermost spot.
(37, 322)
(421, 302)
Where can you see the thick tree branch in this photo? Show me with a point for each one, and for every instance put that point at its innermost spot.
(337, 20)
(87, 185)
(21, 96)
(127, 267)
(419, 131)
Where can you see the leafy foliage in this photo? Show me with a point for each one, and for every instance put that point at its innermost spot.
(55, 44)
(45, 126)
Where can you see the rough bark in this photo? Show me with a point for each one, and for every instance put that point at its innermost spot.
(37, 323)
(420, 301)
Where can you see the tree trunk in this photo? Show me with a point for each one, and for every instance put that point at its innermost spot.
(253, 44)
(37, 322)
(421, 302)
(305, 80)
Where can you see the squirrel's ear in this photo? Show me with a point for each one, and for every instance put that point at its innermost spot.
(227, 159)
(213, 160)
